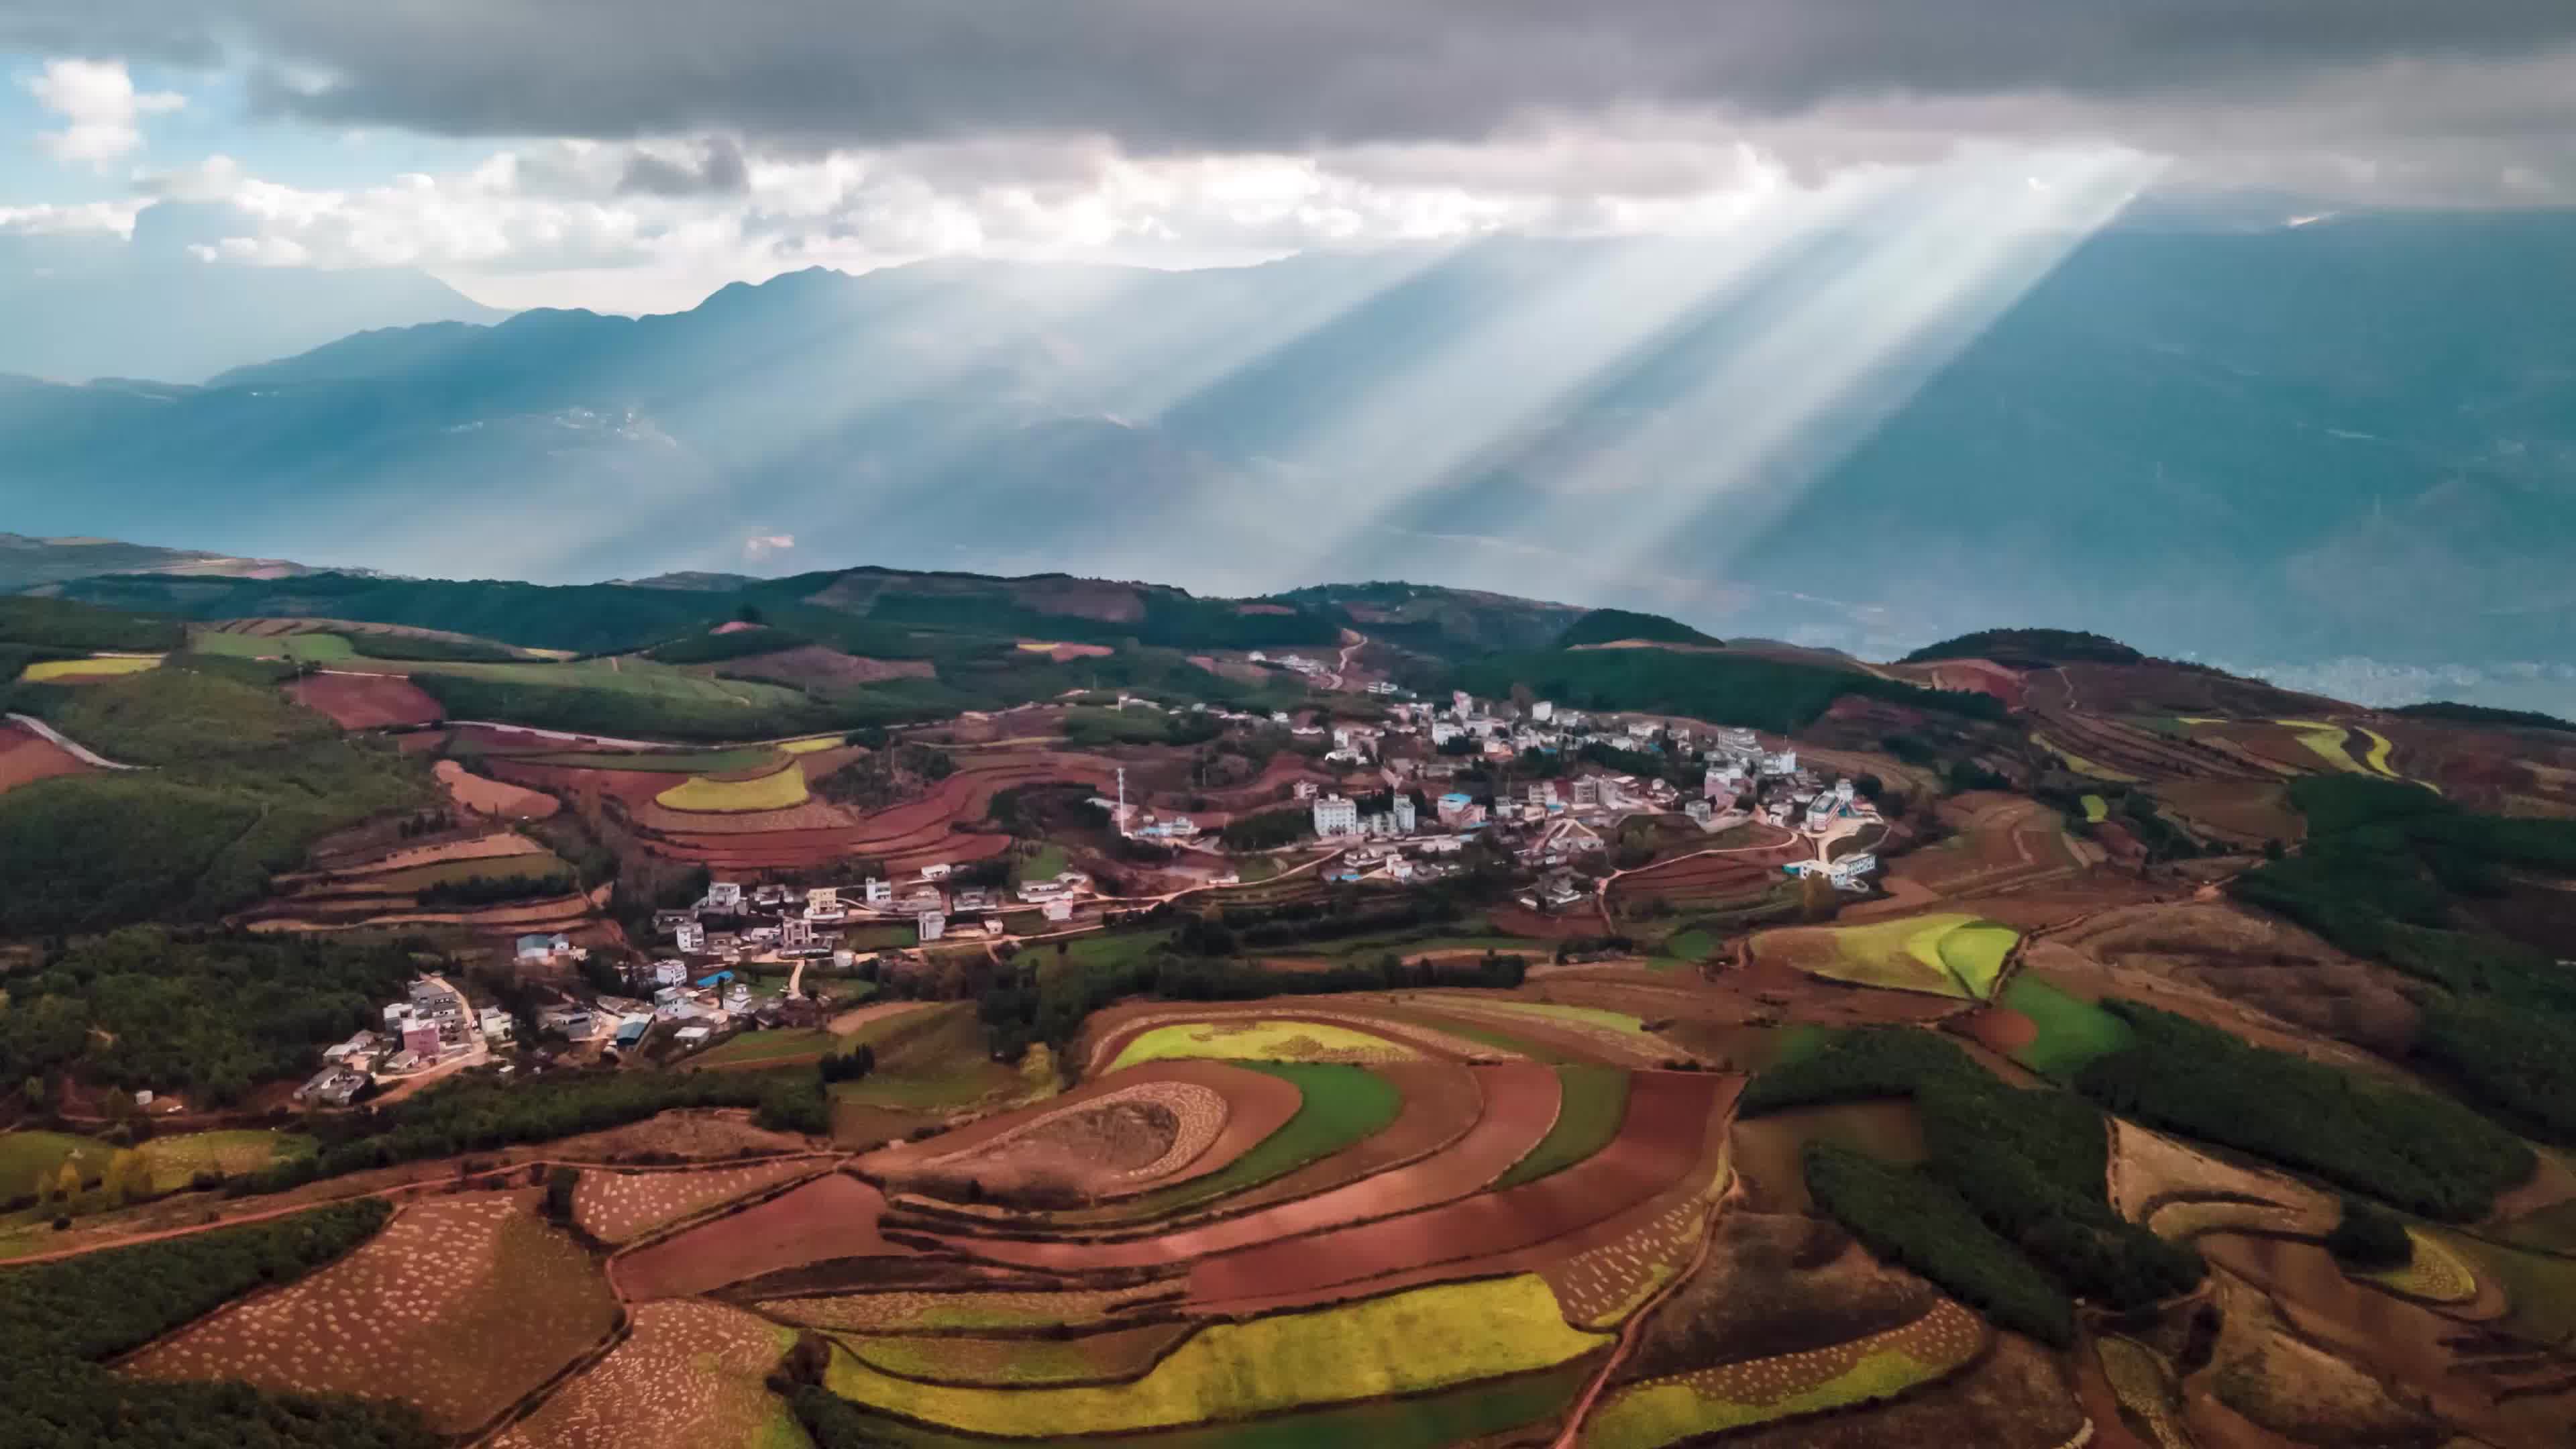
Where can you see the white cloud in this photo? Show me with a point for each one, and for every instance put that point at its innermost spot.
(761, 546)
(98, 99)
(51, 219)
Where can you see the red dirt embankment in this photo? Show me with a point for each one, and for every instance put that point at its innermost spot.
(26, 757)
(366, 701)
(1659, 1143)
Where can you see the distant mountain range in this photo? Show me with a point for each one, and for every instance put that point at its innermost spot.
(87, 307)
(2345, 445)
(26, 562)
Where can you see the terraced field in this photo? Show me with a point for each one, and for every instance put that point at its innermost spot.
(1945, 954)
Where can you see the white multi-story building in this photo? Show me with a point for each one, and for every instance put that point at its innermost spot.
(1782, 762)
(931, 924)
(1403, 813)
(689, 938)
(1461, 703)
(823, 903)
(878, 891)
(1543, 711)
(1442, 732)
(723, 897)
(1336, 815)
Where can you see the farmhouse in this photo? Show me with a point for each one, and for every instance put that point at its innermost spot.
(938, 871)
(496, 1025)
(690, 938)
(543, 950)
(723, 897)
(878, 892)
(931, 925)
(333, 1086)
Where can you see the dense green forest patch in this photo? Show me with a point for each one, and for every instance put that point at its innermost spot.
(2443, 709)
(1725, 689)
(2027, 1167)
(1610, 626)
(80, 628)
(2035, 646)
(2424, 1153)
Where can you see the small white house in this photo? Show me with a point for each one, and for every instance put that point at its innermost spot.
(935, 872)
(931, 924)
(878, 891)
(723, 896)
(1057, 909)
(690, 938)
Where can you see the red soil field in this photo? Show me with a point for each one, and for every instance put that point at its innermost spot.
(26, 757)
(909, 835)
(1999, 1029)
(1707, 877)
(1520, 1106)
(830, 1217)
(493, 797)
(1257, 1104)
(1981, 676)
(1660, 1141)
(366, 701)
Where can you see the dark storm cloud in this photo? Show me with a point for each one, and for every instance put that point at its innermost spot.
(1225, 74)
(717, 171)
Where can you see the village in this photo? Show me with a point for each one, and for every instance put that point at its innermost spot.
(736, 959)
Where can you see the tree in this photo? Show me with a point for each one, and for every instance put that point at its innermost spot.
(561, 1184)
(67, 1182)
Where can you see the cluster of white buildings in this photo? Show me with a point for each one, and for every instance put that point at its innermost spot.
(432, 1023)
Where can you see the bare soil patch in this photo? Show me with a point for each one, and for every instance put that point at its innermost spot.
(492, 797)
(366, 701)
(616, 1207)
(2261, 962)
(26, 757)
(460, 1306)
(688, 1376)
(813, 663)
(831, 1217)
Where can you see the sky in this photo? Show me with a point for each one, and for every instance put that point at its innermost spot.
(635, 155)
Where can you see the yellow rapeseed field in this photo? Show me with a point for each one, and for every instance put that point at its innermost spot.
(1404, 1343)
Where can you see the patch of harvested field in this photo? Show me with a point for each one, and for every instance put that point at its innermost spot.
(831, 1217)
(1600, 1035)
(1601, 1286)
(913, 1312)
(1265, 1041)
(1135, 1134)
(2258, 961)
(2149, 1169)
(811, 664)
(688, 1377)
(2143, 1382)
(616, 1207)
(2272, 1372)
(2065, 1031)
(700, 1134)
(1774, 1283)
(486, 796)
(459, 1306)
(1656, 1412)
(1404, 1343)
(2014, 1397)
(26, 757)
(366, 701)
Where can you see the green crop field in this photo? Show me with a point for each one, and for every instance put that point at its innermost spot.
(767, 1046)
(1340, 1105)
(302, 648)
(2096, 809)
(1595, 1103)
(2072, 1031)
(1948, 954)
(1050, 862)
(1690, 944)
(617, 675)
(29, 1160)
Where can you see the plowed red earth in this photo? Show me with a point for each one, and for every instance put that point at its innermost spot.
(366, 701)
(1520, 1106)
(1660, 1141)
(1257, 1104)
(26, 757)
(831, 1217)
